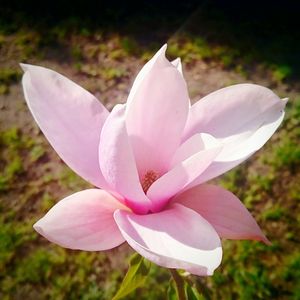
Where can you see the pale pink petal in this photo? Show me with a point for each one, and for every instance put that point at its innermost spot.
(117, 161)
(156, 115)
(242, 117)
(180, 176)
(241, 151)
(231, 110)
(83, 221)
(69, 116)
(223, 210)
(174, 238)
(144, 72)
(177, 63)
(196, 143)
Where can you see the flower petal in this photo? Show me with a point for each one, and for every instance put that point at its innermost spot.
(83, 221)
(69, 116)
(156, 115)
(177, 63)
(144, 72)
(181, 175)
(231, 110)
(117, 161)
(196, 143)
(229, 159)
(223, 210)
(174, 238)
(242, 117)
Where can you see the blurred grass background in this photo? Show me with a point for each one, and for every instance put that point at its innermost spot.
(102, 46)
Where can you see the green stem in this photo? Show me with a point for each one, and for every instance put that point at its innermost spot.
(200, 286)
(179, 282)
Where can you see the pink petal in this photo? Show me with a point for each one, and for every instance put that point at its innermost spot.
(144, 72)
(242, 117)
(177, 64)
(83, 221)
(156, 115)
(232, 156)
(69, 116)
(181, 175)
(223, 210)
(117, 161)
(231, 110)
(174, 238)
(196, 143)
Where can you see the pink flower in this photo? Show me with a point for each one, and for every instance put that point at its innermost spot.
(151, 158)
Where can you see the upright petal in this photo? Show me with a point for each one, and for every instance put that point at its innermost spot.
(83, 221)
(156, 115)
(69, 116)
(144, 72)
(243, 117)
(174, 238)
(185, 171)
(177, 63)
(223, 210)
(117, 161)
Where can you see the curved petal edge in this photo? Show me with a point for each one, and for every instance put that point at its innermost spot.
(70, 117)
(224, 211)
(83, 221)
(174, 238)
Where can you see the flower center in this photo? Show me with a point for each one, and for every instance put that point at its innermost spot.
(148, 179)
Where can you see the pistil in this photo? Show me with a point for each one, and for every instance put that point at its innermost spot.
(148, 180)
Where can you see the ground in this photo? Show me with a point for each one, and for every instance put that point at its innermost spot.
(33, 178)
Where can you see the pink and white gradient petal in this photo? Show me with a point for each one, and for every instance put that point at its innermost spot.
(242, 117)
(70, 117)
(177, 237)
(83, 221)
(156, 115)
(224, 211)
(117, 162)
(196, 143)
(177, 64)
(180, 176)
(237, 152)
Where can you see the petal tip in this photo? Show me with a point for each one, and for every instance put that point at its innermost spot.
(24, 67)
(265, 240)
(164, 47)
(285, 100)
(177, 63)
(38, 228)
(162, 51)
(29, 67)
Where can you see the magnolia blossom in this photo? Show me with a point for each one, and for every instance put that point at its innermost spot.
(149, 160)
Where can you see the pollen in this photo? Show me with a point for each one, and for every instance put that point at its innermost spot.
(148, 179)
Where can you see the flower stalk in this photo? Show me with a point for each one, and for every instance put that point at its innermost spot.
(179, 283)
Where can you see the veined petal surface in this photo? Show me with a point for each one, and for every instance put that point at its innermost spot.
(242, 117)
(223, 210)
(177, 238)
(83, 221)
(184, 172)
(156, 114)
(70, 117)
(117, 162)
